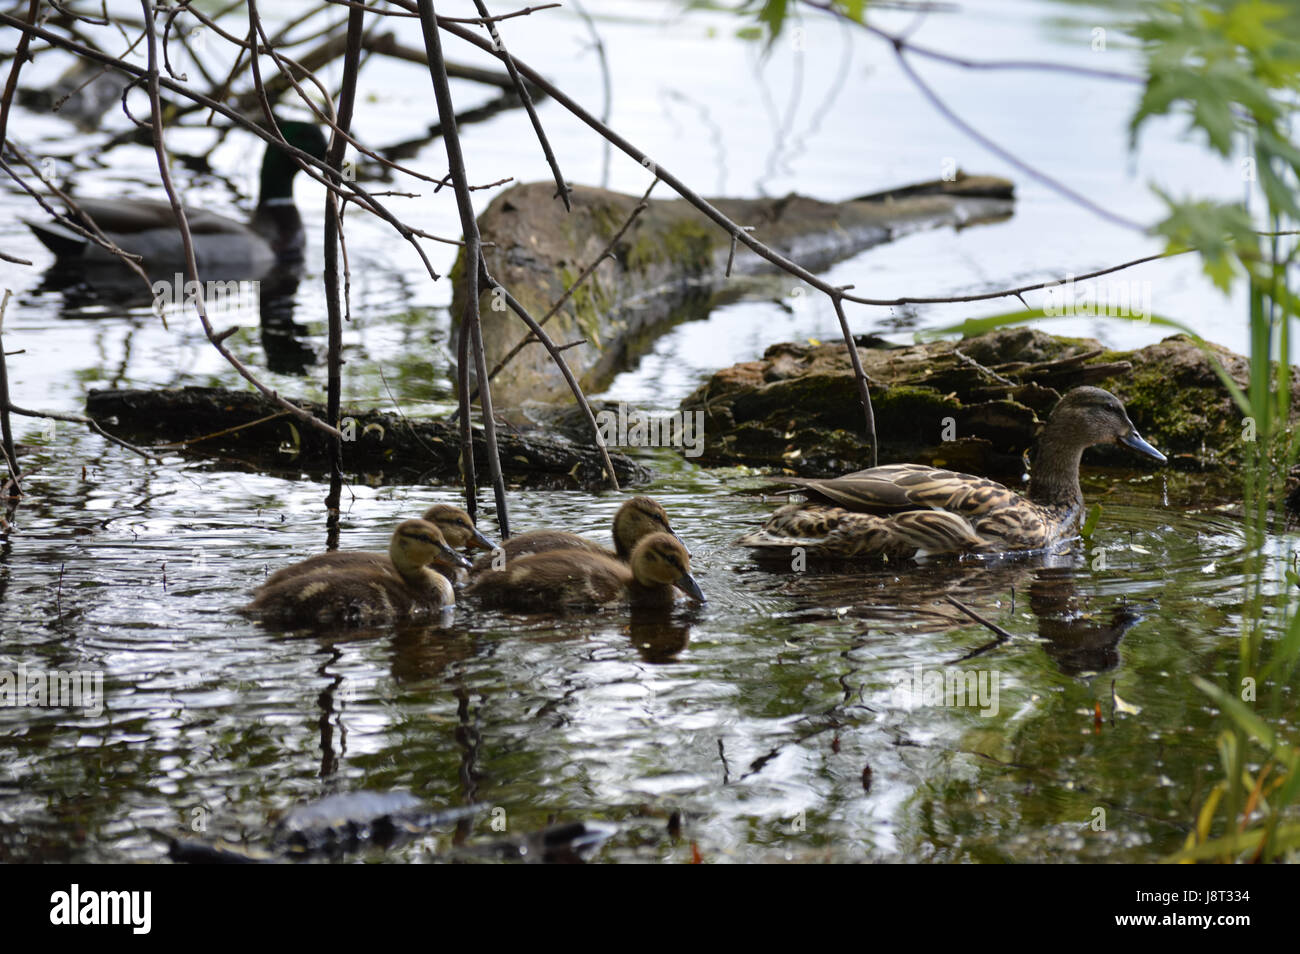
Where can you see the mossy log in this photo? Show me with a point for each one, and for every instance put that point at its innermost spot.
(670, 266)
(246, 427)
(973, 405)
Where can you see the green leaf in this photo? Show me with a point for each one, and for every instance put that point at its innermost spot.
(1249, 721)
(1090, 522)
(1221, 231)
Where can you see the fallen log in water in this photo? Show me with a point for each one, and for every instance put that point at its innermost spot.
(244, 426)
(670, 266)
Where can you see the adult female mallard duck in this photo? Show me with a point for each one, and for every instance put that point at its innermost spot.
(573, 578)
(365, 593)
(907, 510)
(147, 227)
(636, 519)
(454, 524)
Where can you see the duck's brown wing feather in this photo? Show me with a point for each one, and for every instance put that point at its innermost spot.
(335, 560)
(538, 541)
(899, 487)
(552, 580)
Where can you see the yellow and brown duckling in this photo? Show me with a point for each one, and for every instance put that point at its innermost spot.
(558, 579)
(908, 510)
(454, 524)
(457, 528)
(636, 519)
(365, 593)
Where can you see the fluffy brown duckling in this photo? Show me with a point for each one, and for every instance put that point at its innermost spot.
(365, 593)
(454, 524)
(636, 519)
(575, 578)
(909, 510)
(457, 528)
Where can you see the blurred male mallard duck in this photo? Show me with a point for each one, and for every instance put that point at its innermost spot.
(636, 519)
(365, 593)
(570, 578)
(147, 227)
(908, 510)
(453, 523)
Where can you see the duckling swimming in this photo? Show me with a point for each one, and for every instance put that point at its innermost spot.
(908, 510)
(636, 519)
(572, 578)
(365, 593)
(457, 530)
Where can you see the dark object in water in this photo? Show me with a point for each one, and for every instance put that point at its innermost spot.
(219, 424)
(333, 826)
(338, 825)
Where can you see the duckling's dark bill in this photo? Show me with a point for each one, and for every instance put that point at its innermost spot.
(454, 558)
(687, 585)
(482, 541)
(1135, 441)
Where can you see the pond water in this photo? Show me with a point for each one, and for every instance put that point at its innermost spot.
(771, 723)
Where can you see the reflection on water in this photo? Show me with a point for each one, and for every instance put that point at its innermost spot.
(752, 720)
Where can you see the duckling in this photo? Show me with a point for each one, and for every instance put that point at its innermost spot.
(366, 594)
(570, 578)
(453, 523)
(908, 510)
(147, 227)
(457, 527)
(637, 518)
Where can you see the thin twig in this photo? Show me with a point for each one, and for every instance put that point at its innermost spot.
(11, 84)
(561, 187)
(1001, 633)
(89, 422)
(586, 273)
(895, 39)
(6, 432)
(563, 365)
(715, 215)
(473, 259)
(187, 239)
(607, 94)
(362, 197)
(864, 391)
(333, 236)
(1052, 183)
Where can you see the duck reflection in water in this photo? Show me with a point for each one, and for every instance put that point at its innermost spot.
(658, 638)
(1078, 636)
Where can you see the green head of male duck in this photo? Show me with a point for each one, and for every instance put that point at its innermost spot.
(279, 167)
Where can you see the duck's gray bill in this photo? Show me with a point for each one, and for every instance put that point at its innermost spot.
(454, 558)
(1135, 441)
(483, 541)
(692, 589)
